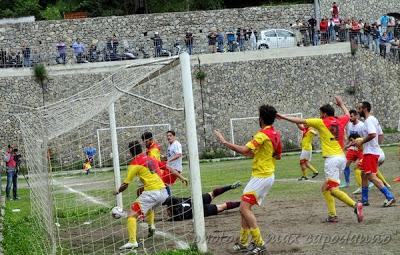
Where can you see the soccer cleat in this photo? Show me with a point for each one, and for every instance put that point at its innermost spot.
(357, 191)
(152, 230)
(129, 246)
(236, 185)
(314, 175)
(365, 203)
(257, 250)
(303, 178)
(331, 219)
(388, 203)
(344, 185)
(358, 210)
(238, 247)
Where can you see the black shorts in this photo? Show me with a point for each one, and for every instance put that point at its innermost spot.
(207, 199)
(209, 209)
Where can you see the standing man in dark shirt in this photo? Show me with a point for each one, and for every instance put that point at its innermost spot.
(189, 42)
(312, 23)
(181, 208)
(157, 44)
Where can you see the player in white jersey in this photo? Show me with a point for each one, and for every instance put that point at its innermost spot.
(371, 152)
(354, 127)
(174, 156)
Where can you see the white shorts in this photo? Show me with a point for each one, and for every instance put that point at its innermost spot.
(381, 156)
(258, 187)
(305, 155)
(151, 199)
(334, 166)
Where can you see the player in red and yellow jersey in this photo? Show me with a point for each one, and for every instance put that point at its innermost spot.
(306, 151)
(265, 148)
(153, 149)
(331, 132)
(155, 193)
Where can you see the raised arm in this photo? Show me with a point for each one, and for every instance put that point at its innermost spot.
(291, 119)
(300, 126)
(340, 103)
(237, 148)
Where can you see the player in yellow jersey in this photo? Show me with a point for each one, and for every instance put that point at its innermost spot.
(331, 132)
(154, 193)
(265, 148)
(306, 151)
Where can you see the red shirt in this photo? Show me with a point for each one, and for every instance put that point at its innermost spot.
(323, 26)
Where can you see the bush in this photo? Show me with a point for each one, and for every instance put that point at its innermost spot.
(218, 153)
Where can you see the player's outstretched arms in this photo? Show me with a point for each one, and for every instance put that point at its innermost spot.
(291, 119)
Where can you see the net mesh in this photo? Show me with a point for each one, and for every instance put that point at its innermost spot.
(71, 207)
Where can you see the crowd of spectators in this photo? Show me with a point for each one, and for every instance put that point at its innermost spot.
(381, 36)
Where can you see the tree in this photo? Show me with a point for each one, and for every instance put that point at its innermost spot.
(27, 8)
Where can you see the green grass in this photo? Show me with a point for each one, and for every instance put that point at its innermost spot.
(21, 234)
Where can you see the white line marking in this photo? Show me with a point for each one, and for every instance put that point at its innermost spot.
(87, 197)
(179, 243)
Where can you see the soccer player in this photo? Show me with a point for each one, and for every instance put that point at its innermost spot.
(331, 133)
(154, 193)
(174, 156)
(87, 166)
(371, 153)
(90, 152)
(152, 148)
(306, 151)
(355, 127)
(181, 208)
(265, 148)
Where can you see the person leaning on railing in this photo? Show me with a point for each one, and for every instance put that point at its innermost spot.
(61, 59)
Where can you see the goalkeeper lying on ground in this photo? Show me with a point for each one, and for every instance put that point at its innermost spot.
(181, 208)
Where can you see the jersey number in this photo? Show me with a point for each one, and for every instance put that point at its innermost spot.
(335, 131)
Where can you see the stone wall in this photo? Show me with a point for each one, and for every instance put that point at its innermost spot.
(368, 10)
(230, 90)
(43, 35)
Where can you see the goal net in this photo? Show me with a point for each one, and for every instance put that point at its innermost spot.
(71, 206)
(241, 128)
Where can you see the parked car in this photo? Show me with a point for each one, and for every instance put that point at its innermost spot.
(276, 38)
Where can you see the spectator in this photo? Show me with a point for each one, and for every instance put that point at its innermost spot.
(212, 41)
(385, 44)
(253, 40)
(391, 26)
(114, 46)
(335, 10)
(240, 37)
(157, 41)
(230, 37)
(93, 52)
(397, 30)
(367, 35)
(189, 42)
(3, 58)
(79, 49)
(26, 52)
(323, 27)
(384, 21)
(313, 35)
(220, 42)
(355, 30)
(11, 159)
(375, 33)
(61, 59)
(331, 30)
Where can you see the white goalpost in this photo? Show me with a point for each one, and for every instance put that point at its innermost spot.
(98, 133)
(239, 127)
